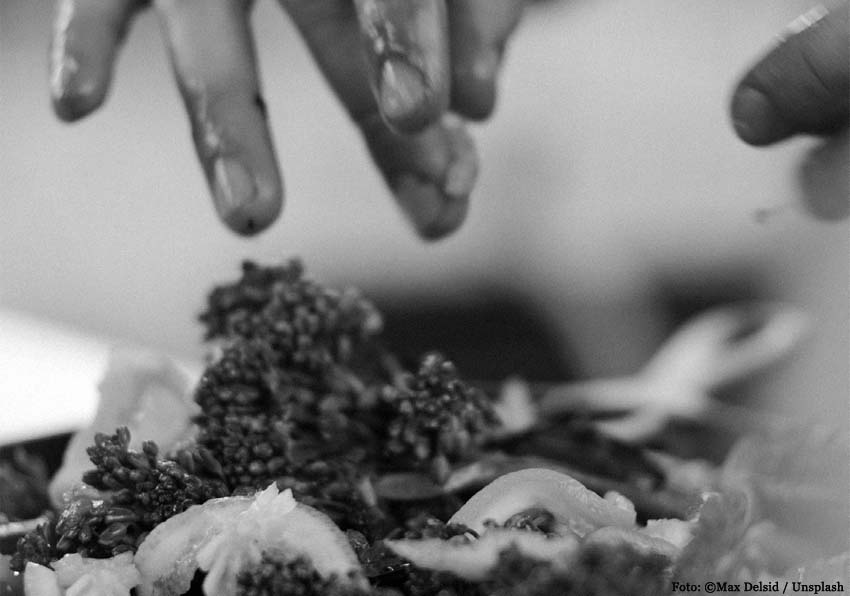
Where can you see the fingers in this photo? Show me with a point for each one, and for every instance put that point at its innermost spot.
(431, 172)
(825, 179)
(407, 54)
(212, 53)
(479, 33)
(86, 36)
(802, 85)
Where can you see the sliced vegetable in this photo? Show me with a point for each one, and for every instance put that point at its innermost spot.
(515, 409)
(222, 536)
(74, 575)
(580, 510)
(475, 559)
(40, 581)
(146, 392)
(640, 541)
(675, 531)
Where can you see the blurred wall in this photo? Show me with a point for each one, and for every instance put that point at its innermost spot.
(610, 164)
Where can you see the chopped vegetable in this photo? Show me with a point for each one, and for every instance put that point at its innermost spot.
(308, 325)
(38, 546)
(320, 466)
(576, 508)
(595, 570)
(41, 581)
(639, 541)
(474, 559)
(435, 417)
(274, 576)
(73, 575)
(147, 393)
(225, 536)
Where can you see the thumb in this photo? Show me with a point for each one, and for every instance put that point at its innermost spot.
(802, 85)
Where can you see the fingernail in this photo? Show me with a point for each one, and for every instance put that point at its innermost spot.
(486, 65)
(462, 171)
(234, 191)
(432, 213)
(461, 176)
(62, 72)
(755, 118)
(403, 93)
(74, 95)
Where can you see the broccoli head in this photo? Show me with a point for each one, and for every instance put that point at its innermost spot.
(308, 325)
(434, 416)
(274, 576)
(140, 490)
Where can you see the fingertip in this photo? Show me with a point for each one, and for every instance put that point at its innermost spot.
(474, 85)
(246, 203)
(406, 101)
(432, 213)
(474, 99)
(756, 119)
(72, 106)
(75, 94)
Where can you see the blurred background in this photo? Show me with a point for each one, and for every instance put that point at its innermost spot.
(613, 201)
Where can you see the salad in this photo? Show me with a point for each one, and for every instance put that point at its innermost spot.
(310, 460)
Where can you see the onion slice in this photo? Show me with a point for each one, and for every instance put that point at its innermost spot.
(74, 575)
(475, 560)
(579, 509)
(223, 536)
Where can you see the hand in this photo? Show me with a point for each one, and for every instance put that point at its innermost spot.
(803, 86)
(398, 67)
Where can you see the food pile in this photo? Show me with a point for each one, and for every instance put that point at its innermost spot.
(316, 463)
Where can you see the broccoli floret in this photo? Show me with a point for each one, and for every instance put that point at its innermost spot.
(143, 491)
(263, 423)
(38, 546)
(274, 576)
(154, 489)
(338, 488)
(308, 325)
(292, 395)
(387, 569)
(435, 416)
(600, 570)
(237, 423)
(291, 385)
